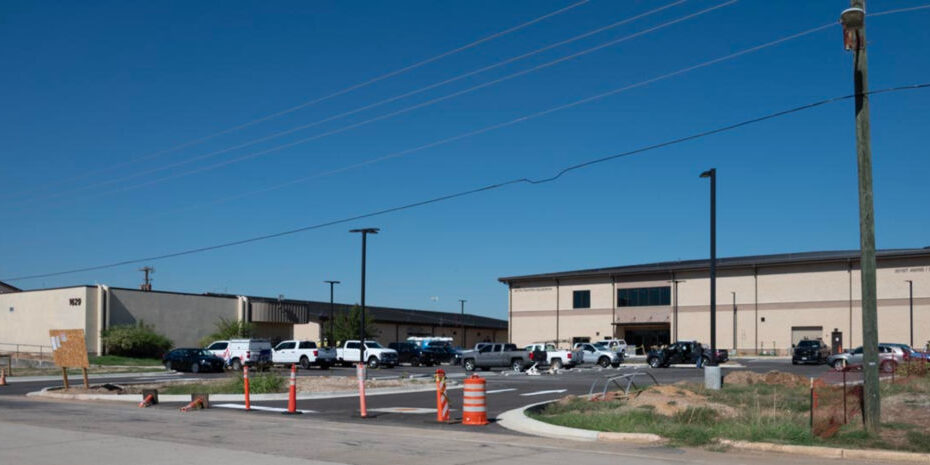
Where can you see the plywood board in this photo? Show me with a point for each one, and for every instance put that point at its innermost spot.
(68, 348)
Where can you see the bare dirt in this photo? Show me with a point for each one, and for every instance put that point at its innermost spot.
(670, 400)
(745, 378)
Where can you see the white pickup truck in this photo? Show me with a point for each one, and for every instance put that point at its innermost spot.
(556, 358)
(304, 353)
(375, 354)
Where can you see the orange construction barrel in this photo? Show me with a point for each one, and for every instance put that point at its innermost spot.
(474, 408)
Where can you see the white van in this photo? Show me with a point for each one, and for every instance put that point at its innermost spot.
(239, 352)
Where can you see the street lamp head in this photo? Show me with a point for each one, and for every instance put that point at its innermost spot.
(709, 173)
(852, 18)
(333, 282)
(365, 230)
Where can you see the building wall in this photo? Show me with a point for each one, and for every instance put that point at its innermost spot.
(277, 332)
(308, 332)
(26, 317)
(183, 318)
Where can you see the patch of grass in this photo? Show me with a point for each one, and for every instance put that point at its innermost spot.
(123, 361)
(918, 441)
(261, 383)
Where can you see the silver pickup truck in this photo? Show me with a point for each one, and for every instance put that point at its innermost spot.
(491, 355)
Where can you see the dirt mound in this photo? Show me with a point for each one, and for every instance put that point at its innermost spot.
(745, 378)
(669, 400)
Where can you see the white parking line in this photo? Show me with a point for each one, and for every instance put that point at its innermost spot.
(414, 410)
(539, 393)
(259, 407)
(500, 390)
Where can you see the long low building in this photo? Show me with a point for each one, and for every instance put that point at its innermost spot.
(764, 303)
(185, 318)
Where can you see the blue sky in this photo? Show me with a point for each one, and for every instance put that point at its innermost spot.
(91, 91)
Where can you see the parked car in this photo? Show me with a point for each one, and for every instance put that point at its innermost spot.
(810, 351)
(375, 354)
(304, 353)
(239, 352)
(603, 356)
(616, 345)
(910, 353)
(491, 355)
(408, 352)
(442, 351)
(192, 360)
(556, 358)
(684, 352)
(889, 357)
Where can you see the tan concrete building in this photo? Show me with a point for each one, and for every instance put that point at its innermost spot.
(764, 303)
(27, 316)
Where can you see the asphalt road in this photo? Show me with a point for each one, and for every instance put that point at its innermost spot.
(505, 390)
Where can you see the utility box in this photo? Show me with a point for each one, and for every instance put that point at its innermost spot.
(836, 341)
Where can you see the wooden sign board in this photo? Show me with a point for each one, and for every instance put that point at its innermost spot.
(68, 348)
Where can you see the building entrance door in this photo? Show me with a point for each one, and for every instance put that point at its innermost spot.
(646, 338)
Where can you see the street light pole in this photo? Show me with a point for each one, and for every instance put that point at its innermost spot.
(365, 232)
(910, 286)
(712, 174)
(464, 336)
(853, 21)
(332, 314)
(734, 322)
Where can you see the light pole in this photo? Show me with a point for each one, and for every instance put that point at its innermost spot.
(332, 314)
(910, 286)
(734, 322)
(712, 174)
(464, 338)
(853, 21)
(365, 232)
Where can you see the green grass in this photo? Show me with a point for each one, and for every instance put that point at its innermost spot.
(764, 413)
(124, 361)
(260, 383)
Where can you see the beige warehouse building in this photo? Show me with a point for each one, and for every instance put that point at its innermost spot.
(765, 303)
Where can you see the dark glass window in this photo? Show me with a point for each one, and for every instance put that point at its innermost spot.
(644, 296)
(581, 299)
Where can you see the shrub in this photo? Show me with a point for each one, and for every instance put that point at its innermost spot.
(139, 340)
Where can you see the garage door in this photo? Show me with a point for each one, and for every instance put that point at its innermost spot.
(799, 333)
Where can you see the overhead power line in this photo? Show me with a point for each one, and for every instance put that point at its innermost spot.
(485, 188)
(324, 98)
(385, 116)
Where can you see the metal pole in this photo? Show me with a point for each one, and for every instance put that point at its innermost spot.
(712, 174)
(464, 336)
(365, 232)
(734, 322)
(853, 20)
(910, 285)
(332, 314)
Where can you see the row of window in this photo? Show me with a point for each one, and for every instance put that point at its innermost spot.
(636, 297)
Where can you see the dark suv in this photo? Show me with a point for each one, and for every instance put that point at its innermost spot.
(684, 352)
(408, 352)
(810, 351)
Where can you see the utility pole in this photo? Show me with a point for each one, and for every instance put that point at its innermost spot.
(147, 284)
(332, 314)
(853, 21)
(364, 232)
(464, 335)
(712, 174)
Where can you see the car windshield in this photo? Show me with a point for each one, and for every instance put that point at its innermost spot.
(204, 353)
(601, 345)
(809, 344)
(372, 345)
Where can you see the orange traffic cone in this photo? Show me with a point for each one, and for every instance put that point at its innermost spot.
(292, 397)
(474, 409)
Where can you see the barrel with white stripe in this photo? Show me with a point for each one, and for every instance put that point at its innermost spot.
(474, 408)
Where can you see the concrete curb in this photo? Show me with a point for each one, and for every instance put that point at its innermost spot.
(49, 394)
(829, 452)
(516, 420)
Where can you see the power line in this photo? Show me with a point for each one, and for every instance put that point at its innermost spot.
(338, 93)
(488, 187)
(367, 121)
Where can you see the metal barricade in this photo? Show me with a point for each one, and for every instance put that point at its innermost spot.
(624, 382)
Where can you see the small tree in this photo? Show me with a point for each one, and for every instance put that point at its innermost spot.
(229, 329)
(139, 340)
(348, 324)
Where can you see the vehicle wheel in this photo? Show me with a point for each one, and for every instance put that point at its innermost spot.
(373, 363)
(516, 365)
(195, 367)
(557, 364)
(469, 364)
(838, 365)
(415, 362)
(324, 366)
(236, 364)
(604, 362)
(887, 366)
(304, 362)
(168, 366)
(615, 365)
(794, 362)
(653, 362)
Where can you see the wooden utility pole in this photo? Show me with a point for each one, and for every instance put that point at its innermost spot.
(147, 284)
(853, 20)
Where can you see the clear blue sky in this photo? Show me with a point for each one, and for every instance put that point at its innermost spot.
(90, 89)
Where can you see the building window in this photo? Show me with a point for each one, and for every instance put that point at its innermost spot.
(644, 296)
(581, 299)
